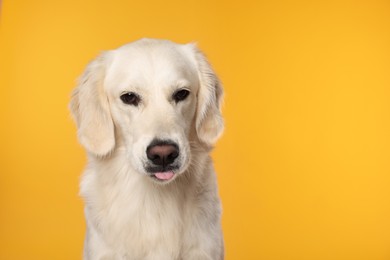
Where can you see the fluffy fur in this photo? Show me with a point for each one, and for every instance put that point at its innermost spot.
(129, 214)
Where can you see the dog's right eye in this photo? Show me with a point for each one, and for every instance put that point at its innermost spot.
(180, 95)
(130, 99)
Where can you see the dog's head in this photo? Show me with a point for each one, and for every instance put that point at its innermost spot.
(152, 98)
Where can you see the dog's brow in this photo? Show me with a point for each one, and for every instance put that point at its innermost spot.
(132, 88)
(182, 83)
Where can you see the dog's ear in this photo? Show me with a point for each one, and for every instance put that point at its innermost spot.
(90, 109)
(209, 122)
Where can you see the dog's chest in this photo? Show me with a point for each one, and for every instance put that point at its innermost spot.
(142, 225)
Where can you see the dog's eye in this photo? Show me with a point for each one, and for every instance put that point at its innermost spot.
(130, 99)
(180, 95)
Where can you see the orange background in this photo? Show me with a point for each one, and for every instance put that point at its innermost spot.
(303, 166)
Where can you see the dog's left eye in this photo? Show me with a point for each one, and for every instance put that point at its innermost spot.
(180, 95)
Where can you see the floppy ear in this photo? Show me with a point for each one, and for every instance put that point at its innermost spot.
(90, 109)
(209, 121)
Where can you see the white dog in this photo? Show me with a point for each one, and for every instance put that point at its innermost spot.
(148, 115)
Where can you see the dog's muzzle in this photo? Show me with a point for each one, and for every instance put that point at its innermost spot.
(162, 159)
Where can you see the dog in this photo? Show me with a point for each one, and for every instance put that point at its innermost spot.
(148, 115)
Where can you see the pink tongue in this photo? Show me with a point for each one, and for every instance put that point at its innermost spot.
(164, 175)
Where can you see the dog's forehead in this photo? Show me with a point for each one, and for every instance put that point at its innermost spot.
(151, 64)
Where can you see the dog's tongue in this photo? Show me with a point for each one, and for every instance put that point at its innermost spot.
(164, 175)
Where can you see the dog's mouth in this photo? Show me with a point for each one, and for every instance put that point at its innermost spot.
(163, 176)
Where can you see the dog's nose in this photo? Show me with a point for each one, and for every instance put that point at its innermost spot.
(162, 153)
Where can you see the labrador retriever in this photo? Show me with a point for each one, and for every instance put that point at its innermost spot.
(148, 115)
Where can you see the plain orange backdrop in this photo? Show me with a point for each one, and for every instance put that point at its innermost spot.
(303, 166)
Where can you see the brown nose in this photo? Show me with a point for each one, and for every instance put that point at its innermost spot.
(162, 153)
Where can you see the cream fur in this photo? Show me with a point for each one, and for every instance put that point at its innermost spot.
(129, 215)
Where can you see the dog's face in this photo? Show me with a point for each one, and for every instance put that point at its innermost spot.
(154, 99)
